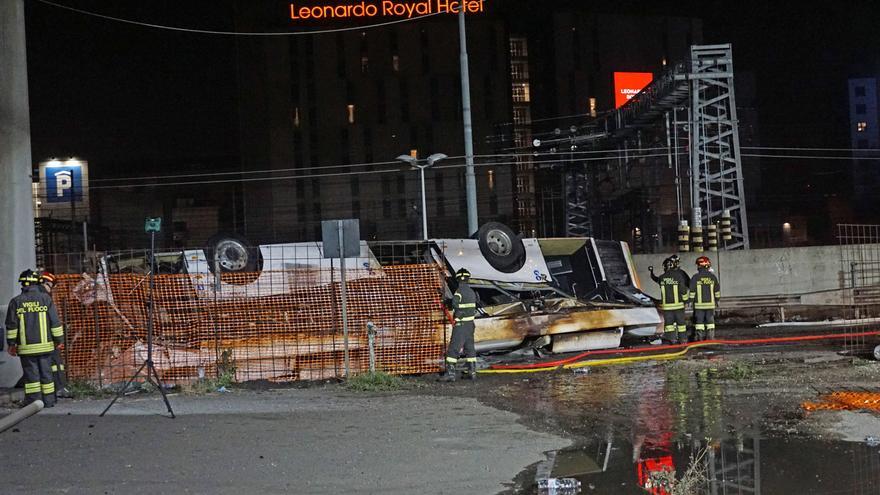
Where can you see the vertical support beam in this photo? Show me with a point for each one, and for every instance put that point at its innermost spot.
(469, 177)
(16, 203)
(716, 167)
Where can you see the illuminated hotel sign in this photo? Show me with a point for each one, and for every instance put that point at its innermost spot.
(383, 8)
(628, 84)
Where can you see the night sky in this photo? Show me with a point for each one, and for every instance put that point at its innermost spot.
(121, 95)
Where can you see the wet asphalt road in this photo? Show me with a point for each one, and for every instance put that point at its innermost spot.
(320, 440)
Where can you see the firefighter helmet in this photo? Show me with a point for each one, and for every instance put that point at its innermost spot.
(462, 274)
(703, 261)
(675, 260)
(48, 278)
(667, 263)
(28, 277)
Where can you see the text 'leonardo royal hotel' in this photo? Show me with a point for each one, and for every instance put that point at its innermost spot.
(385, 8)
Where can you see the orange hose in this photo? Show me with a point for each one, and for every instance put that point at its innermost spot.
(770, 340)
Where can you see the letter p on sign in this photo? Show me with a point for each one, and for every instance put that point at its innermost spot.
(63, 182)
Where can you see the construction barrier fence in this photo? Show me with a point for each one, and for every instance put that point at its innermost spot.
(279, 325)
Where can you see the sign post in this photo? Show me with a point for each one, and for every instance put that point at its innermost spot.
(341, 239)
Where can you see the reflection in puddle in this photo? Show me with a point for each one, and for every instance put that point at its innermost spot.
(733, 465)
(679, 429)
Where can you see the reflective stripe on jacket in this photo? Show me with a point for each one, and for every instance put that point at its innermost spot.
(705, 290)
(464, 303)
(673, 290)
(32, 322)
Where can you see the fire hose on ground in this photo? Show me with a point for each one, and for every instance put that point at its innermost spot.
(578, 361)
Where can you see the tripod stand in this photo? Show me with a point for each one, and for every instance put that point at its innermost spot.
(151, 375)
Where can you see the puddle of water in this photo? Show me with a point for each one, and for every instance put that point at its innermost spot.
(733, 465)
(718, 422)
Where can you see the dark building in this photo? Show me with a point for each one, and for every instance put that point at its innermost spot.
(280, 132)
(864, 131)
(344, 104)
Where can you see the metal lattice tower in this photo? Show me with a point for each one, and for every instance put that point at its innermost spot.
(578, 211)
(716, 168)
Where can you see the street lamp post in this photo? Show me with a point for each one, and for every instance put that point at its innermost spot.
(414, 163)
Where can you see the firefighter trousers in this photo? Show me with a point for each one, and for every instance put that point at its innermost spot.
(704, 323)
(462, 342)
(38, 380)
(674, 329)
(59, 375)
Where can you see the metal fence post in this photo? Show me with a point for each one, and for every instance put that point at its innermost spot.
(371, 340)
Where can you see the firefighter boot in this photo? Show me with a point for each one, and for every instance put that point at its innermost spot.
(682, 337)
(449, 374)
(472, 370)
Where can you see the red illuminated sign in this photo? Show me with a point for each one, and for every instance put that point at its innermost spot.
(383, 8)
(628, 84)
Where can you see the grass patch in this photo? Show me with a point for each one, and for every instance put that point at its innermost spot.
(739, 370)
(225, 378)
(374, 382)
(81, 389)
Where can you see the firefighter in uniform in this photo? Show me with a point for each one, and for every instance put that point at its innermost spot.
(673, 296)
(705, 292)
(48, 281)
(32, 330)
(464, 310)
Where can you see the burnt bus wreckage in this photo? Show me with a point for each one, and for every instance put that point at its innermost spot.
(557, 294)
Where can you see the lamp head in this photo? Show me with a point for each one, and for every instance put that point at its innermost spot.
(436, 157)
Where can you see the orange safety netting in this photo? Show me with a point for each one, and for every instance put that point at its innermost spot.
(846, 401)
(279, 326)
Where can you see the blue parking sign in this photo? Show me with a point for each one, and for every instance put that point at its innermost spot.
(64, 183)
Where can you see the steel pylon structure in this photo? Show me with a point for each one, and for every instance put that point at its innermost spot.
(701, 88)
(715, 160)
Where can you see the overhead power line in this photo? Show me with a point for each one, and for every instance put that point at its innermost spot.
(232, 33)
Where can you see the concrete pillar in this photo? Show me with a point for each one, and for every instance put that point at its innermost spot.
(16, 204)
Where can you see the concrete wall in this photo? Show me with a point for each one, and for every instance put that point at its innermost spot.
(16, 204)
(756, 272)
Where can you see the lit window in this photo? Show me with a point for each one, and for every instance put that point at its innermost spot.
(663, 62)
(861, 126)
(414, 153)
(296, 116)
(592, 107)
(491, 180)
(351, 114)
(395, 63)
(365, 64)
(521, 92)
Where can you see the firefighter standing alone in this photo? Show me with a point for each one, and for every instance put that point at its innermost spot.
(464, 308)
(705, 292)
(32, 331)
(673, 296)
